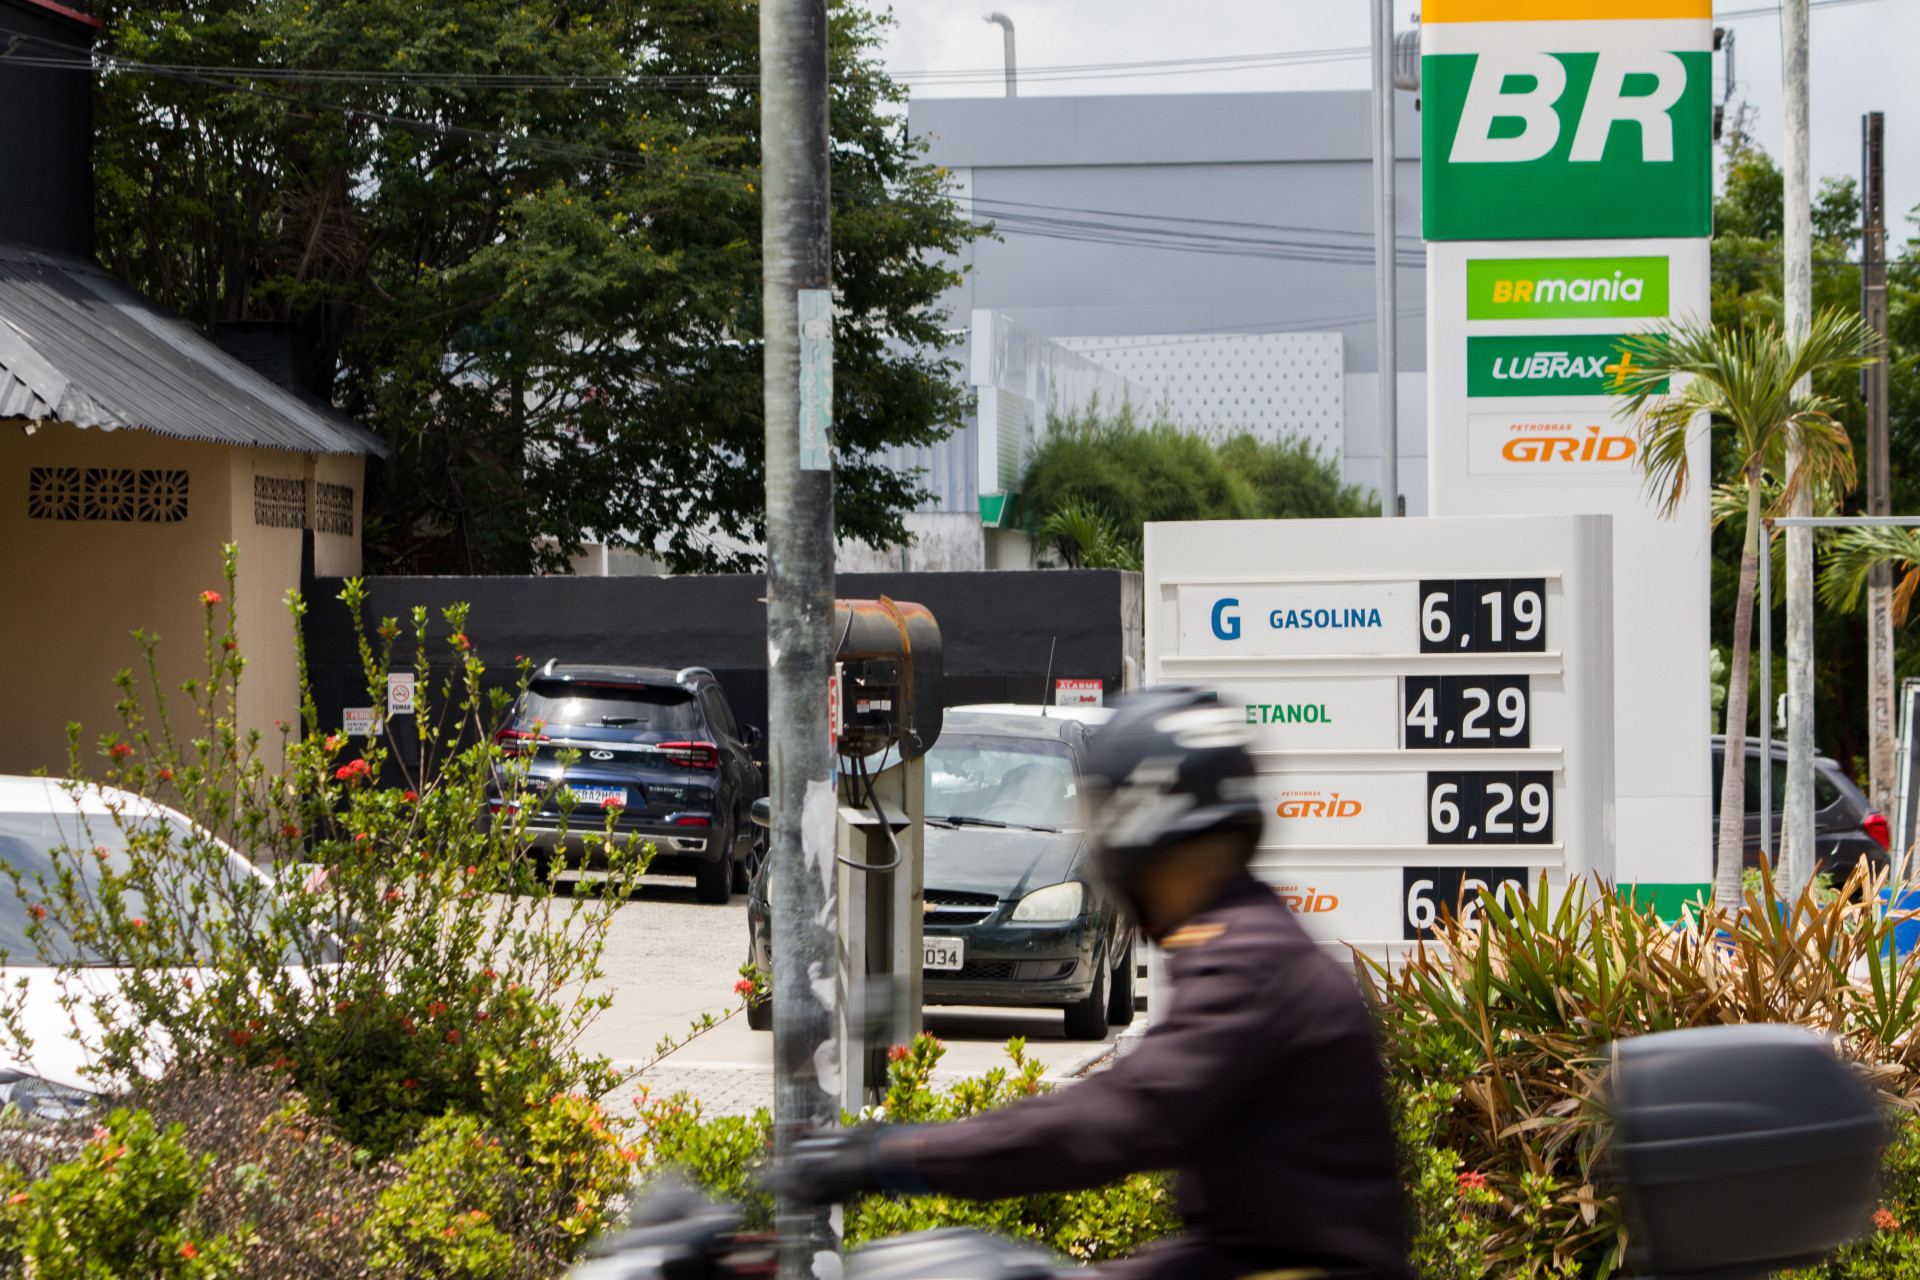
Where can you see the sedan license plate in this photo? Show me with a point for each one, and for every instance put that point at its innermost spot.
(945, 953)
(595, 797)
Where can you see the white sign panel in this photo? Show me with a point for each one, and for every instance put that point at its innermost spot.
(1334, 714)
(1079, 693)
(1450, 741)
(359, 722)
(400, 693)
(1551, 445)
(1298, 618)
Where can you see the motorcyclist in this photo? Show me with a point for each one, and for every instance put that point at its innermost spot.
(1259, 1083)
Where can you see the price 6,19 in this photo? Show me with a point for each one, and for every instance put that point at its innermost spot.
(1488, 712)
(1483, 615)
(1490, 808)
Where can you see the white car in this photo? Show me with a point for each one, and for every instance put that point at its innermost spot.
(38, 815)
(1084, 714)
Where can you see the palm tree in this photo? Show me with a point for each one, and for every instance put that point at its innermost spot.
(1852, 557)
(1746, 382)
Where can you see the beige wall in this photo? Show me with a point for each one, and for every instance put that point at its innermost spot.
(74, 590)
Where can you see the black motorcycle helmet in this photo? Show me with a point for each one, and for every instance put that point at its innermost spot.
(1169, 769)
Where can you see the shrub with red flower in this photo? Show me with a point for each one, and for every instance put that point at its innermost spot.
(119, 751)
(1884, 1221)
(353, 771)
(209, 598)
(1471, 1181)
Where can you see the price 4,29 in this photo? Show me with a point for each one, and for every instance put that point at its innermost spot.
(1490, 808)
(1486, 712)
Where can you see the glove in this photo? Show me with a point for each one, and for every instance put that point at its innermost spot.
(829, 1167)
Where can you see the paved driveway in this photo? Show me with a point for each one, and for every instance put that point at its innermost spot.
(669, 959)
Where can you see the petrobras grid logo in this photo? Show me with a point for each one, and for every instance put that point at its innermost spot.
(1551, 446)
(1566, 119)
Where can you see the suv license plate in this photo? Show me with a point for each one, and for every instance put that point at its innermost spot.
(597, 796)
(946, 953)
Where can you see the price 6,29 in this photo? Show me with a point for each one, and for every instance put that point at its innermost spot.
(1490, 808)
(1483, 615)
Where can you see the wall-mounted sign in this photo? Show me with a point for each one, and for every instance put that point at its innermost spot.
(400, 693)
(1467, 735)
(359, 722)
(1079, 693)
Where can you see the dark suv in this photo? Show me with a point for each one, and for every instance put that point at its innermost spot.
(1845, 826)
(663, 747)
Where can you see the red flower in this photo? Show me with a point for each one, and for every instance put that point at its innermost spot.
(138, 923)
(453, 1037)
(897, 1054)
(1470, 1181)
(744, 987)
(239, 1038)
(165, 775)
(487, 973)
(187, 1250)
(39, 912)
(473, 871)
(290, 830)
(483, 1015)
(363, 836)
(460, 641)
(343, 1006)
(408, 1084)
(209, 598)
(353, 771)
(393, 895)
(279, 1063)
(611, 805)
(1885, 1221)
(18, 1197)
(119, 751)
(410, 796)
(435, 1009)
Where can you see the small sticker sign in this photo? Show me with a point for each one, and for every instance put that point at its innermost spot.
(400, 693)
(1079, 693)
(359, 722)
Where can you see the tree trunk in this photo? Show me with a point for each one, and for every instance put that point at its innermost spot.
(1731, 859)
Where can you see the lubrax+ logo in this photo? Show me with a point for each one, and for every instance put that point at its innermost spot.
(1570, 365)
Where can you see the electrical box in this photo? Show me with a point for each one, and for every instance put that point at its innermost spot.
(888, 668)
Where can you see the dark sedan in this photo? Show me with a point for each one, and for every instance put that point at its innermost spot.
(1846, 828)
(1012, 916)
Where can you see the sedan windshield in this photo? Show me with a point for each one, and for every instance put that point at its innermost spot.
(27, 842)
(1023, 782)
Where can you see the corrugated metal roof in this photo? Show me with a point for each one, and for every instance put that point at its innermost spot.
(77, 346)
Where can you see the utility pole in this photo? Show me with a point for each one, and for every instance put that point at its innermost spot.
(1386, 258)
(1873, 390)
(1005, 24)
(796, 290)
(1797, 820)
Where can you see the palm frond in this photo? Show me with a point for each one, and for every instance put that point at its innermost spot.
(1851, 561)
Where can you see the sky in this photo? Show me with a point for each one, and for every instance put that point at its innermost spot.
(1863, 58)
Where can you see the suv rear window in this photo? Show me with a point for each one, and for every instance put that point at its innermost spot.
(662, 709)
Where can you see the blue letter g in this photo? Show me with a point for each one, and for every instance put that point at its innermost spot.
(1227, 628)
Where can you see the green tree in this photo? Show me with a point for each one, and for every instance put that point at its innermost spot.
(1746, 382)
(542, 292)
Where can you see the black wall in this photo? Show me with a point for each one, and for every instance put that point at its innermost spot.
(46, 150)
(995, 627)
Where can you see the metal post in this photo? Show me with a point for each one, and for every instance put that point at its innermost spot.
(1873, 390)
(799, 389)
(1385, 257)
(1797, 835)
(1766, 698)
(1005, 24)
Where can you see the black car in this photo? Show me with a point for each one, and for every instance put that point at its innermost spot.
(1012, 916)
(1846, 827)
(662, 746)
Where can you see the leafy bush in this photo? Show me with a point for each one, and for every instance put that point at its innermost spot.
(417, 964)
(723, 1155)
(1513, 1015)
(123, 1205)
(1094, 481)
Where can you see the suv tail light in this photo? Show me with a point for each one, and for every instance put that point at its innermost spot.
(1875, 825)
(691, 820)
(517, 742)
(694, 755)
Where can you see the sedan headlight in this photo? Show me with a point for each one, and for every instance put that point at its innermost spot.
(1052, 905)
(43, 1099)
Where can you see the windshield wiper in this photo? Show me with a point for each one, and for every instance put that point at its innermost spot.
(962, 820)
(614, 722)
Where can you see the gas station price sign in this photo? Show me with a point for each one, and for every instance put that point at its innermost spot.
(1430, 703)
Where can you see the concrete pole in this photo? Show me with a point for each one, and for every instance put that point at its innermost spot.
(1005, 24)
(1797, 819)
(1873, 388)
(798, 349)
(1385, 258)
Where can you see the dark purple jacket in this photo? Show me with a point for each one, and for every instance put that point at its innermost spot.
(1260, 1084)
